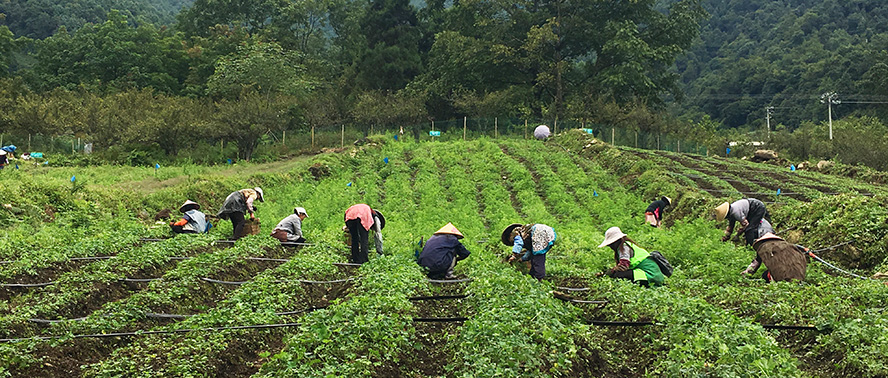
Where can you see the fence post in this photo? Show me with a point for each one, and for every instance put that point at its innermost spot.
(495, 127)
(465, 120)
(555, 127)
(312, 137)
(342, 140)
(29, 142)
(679, 146)
(658, 141)
(525, 129)
(636, 138)
(613, 131)
(433, 125)
(285, 137)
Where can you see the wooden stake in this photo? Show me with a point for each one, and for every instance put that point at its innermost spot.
(342, 141)
(285, 137)
(465, 121)
(495, 127)
(525, 129)
(312, 137)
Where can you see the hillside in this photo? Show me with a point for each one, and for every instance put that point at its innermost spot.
(42, 18)
(86, 265)
(785, 54)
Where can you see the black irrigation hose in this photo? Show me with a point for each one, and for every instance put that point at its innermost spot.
(347, 264)
(572, 288)
(437, 297)
(139, 333)
(155, 315)
(583, 301)
(139, 279)
(437, 320)
(169, 258)
(450, 281)
(42, 284)
(621, 324)
(210, 280)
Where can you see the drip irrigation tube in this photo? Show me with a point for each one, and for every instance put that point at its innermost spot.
(139, 279)
(42, 284)
(347, 264)
(266, 259)
(51, 321)
(583, 301)
(621, 324)
(167, 316)
(437, 297)
(572, 288)
(210, 280)
(436, 320)
(139, 333)
(450, 281)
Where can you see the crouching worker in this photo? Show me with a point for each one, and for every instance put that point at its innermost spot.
(654, 212)
(632, 262)
(441, 252)
(193, 220)
(290, 228)
(784, 261)
(535, 239)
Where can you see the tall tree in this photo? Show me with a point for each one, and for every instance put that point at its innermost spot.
(392, 57)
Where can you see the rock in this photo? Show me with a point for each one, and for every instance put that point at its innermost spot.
(765, 154)
(823, 164)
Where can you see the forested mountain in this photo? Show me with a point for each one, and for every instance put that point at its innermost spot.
(786, 53)
(41, 18)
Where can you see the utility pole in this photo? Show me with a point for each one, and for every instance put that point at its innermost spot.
(830, 98)
(769, 110)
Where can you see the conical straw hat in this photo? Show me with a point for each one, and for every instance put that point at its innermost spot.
(449, 229)
(722, 211)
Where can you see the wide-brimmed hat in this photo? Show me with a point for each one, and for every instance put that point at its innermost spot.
(611, 235)
(506, 237)
(189, 205)
(376, 213)
(2, 152)
(299, 210)
(667, 200)
(764, 238)
(449, 229)
(260, 193)
(722, 211)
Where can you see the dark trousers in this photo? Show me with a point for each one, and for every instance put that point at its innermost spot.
(360, 247)
(757, 212)
(237, 224)
(179, 230)
(538, 266)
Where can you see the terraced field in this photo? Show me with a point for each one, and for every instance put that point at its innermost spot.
(91, 293)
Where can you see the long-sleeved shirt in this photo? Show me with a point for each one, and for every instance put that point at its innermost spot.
(438, 253)
(738, 212)
(240, 201)
(292, 225)
(541, 236)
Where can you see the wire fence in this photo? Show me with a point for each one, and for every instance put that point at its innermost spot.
(281, 142)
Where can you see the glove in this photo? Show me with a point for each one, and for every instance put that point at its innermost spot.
(744, 272)
(620, 268)
(512, 258)
(726, 237)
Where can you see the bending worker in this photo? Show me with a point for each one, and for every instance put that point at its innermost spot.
(784, 261)
(3, 159)
(193, 220)
(632, 262)
(536, 239)
(441, 252)
(654, 212)
(237, 205)
(749, 212)
(359, 220)
(290, 228)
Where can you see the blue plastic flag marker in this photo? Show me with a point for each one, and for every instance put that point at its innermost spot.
(792, 167)
(594, 193)
(46, 162)
(229, 161)
(435, 133)
(386, 160)
(728, 151)
(156, 166)
(396, 136)
(349, 184)
(16, 166)
(778, 191)
(73, 178)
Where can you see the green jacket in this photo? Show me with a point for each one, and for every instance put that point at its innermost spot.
(644, 267)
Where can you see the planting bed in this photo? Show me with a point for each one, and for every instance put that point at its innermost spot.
(309, 317)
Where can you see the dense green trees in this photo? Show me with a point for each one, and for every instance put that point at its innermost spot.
(42, 18)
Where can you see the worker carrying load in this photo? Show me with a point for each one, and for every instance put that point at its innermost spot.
(633, 262)
(536, 239)
(237, 205)
(749, 212)
(654, 213)
(441, 252)
(3, 159)
(359, 220)
(193, 221)
(290, 228)
(784, 261)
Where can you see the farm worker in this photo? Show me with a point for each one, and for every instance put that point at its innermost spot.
(290, 228)
(193, 220)
(10, 151)
(359, 220)
(654, 212)
(3, 159)
(632, 262)
(441, 252)
(749, 212)
(536, 239)
(541, 132)
(236, 205)
(785, 261)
